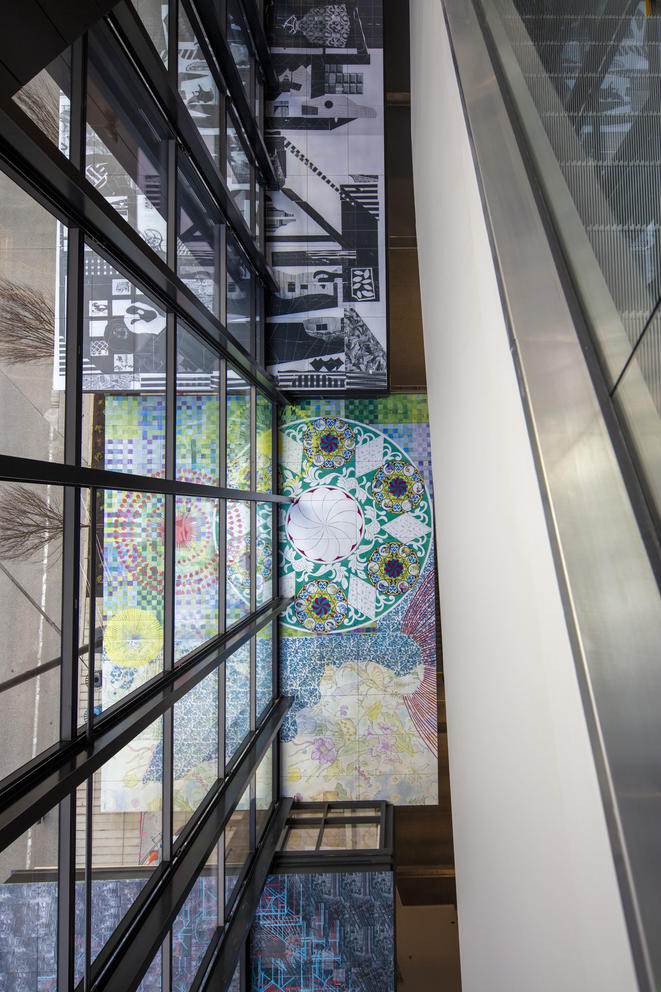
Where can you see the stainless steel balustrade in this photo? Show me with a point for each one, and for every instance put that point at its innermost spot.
(557, 300)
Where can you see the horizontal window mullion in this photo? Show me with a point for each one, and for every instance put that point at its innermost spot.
(33, 470)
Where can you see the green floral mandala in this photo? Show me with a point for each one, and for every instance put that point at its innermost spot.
(359, 525)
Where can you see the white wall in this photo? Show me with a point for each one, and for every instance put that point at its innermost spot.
(538, 903)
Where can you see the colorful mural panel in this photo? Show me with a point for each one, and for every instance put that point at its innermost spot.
(325, 234)
(318, 932)
(358, 644)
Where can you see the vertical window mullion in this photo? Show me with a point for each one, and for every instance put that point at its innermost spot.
(173, 43)
(71, 535)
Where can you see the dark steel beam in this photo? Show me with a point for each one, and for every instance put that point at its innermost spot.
(132, 33)
(127, 956)
(209, 16)
(217, 968)
(30, 793)
(256, 25)
(15, 469)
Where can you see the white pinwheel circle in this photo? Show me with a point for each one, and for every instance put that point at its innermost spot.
(325, 524)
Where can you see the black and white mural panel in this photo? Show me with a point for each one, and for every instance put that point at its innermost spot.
(325, 231)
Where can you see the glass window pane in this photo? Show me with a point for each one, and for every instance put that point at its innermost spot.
(80, 902)
(124, 335)
(238, 431)
(198, 88)
(264, 668)
(30, 588)
(195, 755)
(28, 908)
(263, 789)
(237, 581)
(264, 559)
(264, 454)
(152, 982)
(126, 830)
(350, 837)
(195, 926)
(90, 610)
(45, 99)
(239, 294)
(198, 244)
(237, 844)
(196, 573)
(302, 839)
(237, 700)
(126, 146)
(238, 171)
(238, 41)
(154, 16)
(130, 587)
(198, 441)
(33, 254)
(235, 984)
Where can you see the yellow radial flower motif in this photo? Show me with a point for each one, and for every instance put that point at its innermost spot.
(133, 638)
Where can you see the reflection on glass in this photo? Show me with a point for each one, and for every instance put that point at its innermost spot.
(154, 16)
(239, 294)
(33, 252)
(90, 611)
(198, 244)
(197, 87)
(263, 789)
(238, 431)
(195, 756)
(350, 837)
(238, 42)
(198, 370)
(124, 334)
(196, 573)
(302, 839)
(130, 529)
(264, 555)
(152, 982)
(258, 227)
(80, 903)
(237, 844)
(237, 580)
(126, 829)
(126, 145)
(235, 984)
(28, 908)
(238, 171)
(264, 668)
(30, 590)
(195, 926)
(639, 397)
(237, 699)
(45, 99)
(264, 453)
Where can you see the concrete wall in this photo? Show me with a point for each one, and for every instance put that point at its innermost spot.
(538, 903)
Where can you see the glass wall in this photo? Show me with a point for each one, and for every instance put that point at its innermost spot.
(136, 490)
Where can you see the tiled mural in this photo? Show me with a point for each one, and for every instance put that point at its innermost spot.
(358, 645)
(324, 931)
(325, 234)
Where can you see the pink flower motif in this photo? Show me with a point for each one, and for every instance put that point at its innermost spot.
(343, 710)
(323, 751)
